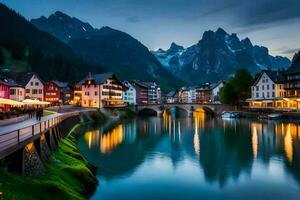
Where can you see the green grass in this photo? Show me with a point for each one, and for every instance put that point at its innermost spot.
(68, 176)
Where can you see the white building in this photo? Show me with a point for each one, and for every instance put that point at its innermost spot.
(129, 96)
(16, 91)
(215, 91)
(102, 90)
(268, 87)
(34, 86)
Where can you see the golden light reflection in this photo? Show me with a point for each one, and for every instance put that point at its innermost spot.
(92, 138)
(256, 128)
(288, 144)
(112, 139)
(254, 142)
(196, 144)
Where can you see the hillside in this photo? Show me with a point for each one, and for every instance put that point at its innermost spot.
(37, 50)
(118, 51)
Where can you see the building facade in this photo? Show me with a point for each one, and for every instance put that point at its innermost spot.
(268, 90)
(129, 96)
(141, 92)
(52, 93)
(58, 93)
(4, 93)
(16, 91)
(34, 86)
(102, 90)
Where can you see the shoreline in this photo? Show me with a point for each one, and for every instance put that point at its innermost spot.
(68, 174)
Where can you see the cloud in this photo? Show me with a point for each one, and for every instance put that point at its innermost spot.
(133, 19)
(288, 51)
(267, 12)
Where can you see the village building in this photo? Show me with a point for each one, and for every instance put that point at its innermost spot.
(209, 92)
(102, 90)
(129, 96)
(154, 93)
(141, 92)
(171, 97)
(187, 95)
(4, 92)
(77, 95)
(34, 86)
(292, 84)
(268, 90)
(17, 91)
(58, 93)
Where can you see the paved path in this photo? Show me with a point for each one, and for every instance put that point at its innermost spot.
(26, 123)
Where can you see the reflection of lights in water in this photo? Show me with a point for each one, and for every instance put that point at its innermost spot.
(91, 138)
(254, 142)
(288, 144)
(179, 132)
(196, 143)
(112, 139)
(199, 117)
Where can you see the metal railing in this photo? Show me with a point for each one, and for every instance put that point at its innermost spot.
(20, 136)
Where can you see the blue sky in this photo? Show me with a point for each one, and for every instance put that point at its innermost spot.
(156, 23)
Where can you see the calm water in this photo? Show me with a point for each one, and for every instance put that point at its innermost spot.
(192, 158)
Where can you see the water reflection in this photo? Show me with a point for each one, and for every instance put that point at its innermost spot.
(226, 152)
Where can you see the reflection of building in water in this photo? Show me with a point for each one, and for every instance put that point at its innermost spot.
(106, 142)
(92, 138)
(112, 139)
(130, 132)
(199, 120)
(269, 139)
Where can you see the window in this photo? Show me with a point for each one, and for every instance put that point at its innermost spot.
(34, 91)
(267, 87)
(31, 83)
(12, 91)
(257, 95)
(36, 83)
(257, 88)
(96, 93)
(266, 80)
(263, 87)
(27, 90)
(267, 94)
(273, 94)
(40, 91)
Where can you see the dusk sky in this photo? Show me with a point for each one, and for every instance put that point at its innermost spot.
(156, 23)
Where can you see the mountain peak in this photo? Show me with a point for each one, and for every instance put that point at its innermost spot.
(175, 47)
(62, 26)
(221, 31)
(60, 14)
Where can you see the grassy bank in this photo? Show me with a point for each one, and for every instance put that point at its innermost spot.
(68, 176)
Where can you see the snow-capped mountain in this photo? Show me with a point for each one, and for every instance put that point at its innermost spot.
(216, 56)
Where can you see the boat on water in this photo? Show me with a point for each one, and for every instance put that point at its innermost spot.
(227, 115)
(275, 116)
(271, 116)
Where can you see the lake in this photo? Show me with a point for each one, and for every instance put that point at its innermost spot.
(195, 158)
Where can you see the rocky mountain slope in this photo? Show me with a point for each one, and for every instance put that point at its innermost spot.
(117, 51)
(216, 56)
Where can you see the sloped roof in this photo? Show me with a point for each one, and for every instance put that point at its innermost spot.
(275, 76)
(139, 83)
(98, 78)
(24, 78)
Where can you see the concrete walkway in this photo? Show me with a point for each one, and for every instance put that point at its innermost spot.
(26, 123)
